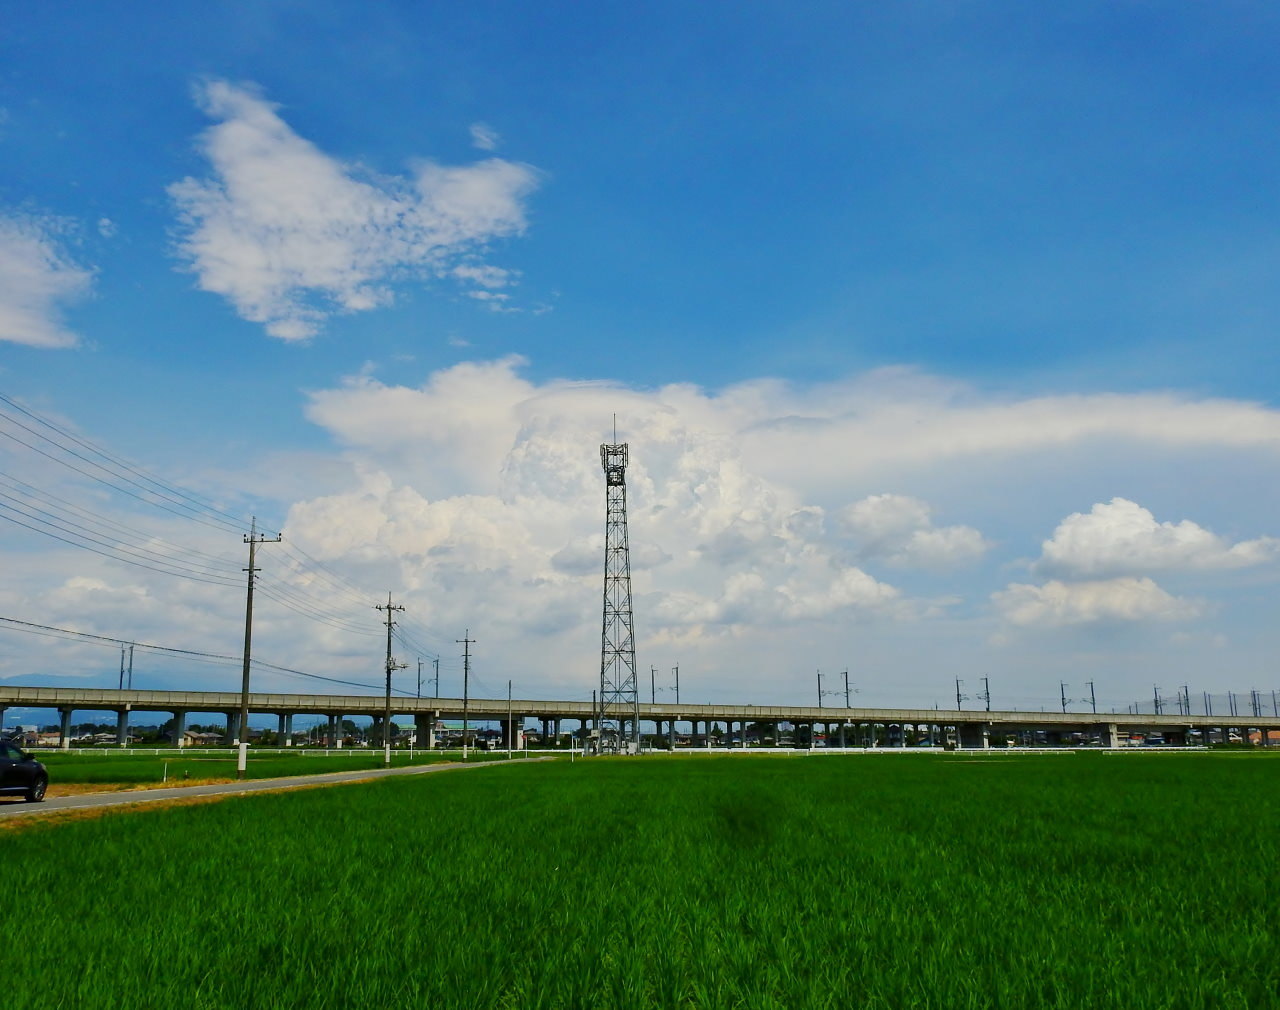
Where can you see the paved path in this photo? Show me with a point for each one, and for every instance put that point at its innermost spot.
(126, 797)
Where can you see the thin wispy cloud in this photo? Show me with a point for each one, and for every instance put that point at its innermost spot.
(38, 279)
(485, 137)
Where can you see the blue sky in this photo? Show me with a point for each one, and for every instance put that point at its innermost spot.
(970, 221)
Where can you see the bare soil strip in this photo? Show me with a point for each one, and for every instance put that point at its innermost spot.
(86, 802)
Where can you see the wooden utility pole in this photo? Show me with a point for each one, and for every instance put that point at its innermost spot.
(392, 665)
(252, 539)
(466, 641)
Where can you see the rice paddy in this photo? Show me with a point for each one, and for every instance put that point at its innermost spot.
(1024, 881)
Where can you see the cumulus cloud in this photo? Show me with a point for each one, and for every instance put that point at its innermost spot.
(900, 529)
(476, 495)
(290, 235)
(1121, 537)
(716, 547)
(37, 279)
(1061, 604)
(723, 485)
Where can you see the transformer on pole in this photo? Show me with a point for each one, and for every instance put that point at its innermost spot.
(619, 693)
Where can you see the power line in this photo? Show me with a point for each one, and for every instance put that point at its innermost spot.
(173, 493)
(73, 528)
(194, 655)
(64, 505)
(105, 554)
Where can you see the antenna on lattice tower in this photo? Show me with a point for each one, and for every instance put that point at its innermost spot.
(619, 706)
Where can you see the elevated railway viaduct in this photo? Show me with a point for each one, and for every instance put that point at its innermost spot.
(843, 726)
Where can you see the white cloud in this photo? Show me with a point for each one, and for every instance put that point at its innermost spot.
(476, 496)
(107, 228)
(715, 547)
(899, 419)
(1061, 604)
(37, 278)
(1122, 537)
(900, 530)
(484, 136)
(290, 235)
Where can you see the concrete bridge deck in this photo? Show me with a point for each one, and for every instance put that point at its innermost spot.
(974, 727)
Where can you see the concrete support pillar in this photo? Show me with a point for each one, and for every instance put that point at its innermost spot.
(710, 724)
(555, 731)
(2, 709)
(337, 735)
(546, 731)
(843, 743)
(281, 729)
(288, 730)
(671, 734)
(229, 739)
(122, 727)
(971, 734)
(64, 728)
(179, 731)
(1110, 736)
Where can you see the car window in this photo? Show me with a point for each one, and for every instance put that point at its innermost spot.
(10, 752)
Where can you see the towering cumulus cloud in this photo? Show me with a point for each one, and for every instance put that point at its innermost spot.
(290, 235)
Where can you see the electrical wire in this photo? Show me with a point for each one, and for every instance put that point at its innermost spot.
(175, 495)
(49, 631)
(75, 529)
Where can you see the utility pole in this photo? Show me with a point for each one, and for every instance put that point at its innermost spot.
(676, 670)
(819, 673)
(1156, 697)
(392, 665)
(653, 690)
(1208, 705)
(1093, 700)
(466, 641)
(437, 663)
(986, 692)
(846, 688)
(1062, 688)
(129, 680)
(958, 697)
(122, 668)
(252, 539)
(419, 676)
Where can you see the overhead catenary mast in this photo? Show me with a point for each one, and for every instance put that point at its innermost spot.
(619, 706)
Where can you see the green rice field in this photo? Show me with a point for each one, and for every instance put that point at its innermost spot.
(907, 881)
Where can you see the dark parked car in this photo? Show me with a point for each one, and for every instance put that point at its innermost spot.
(21, 774)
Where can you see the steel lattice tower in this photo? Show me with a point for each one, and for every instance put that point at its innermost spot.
(619, 690)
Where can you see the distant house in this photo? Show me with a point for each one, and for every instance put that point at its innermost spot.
(194, 738)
